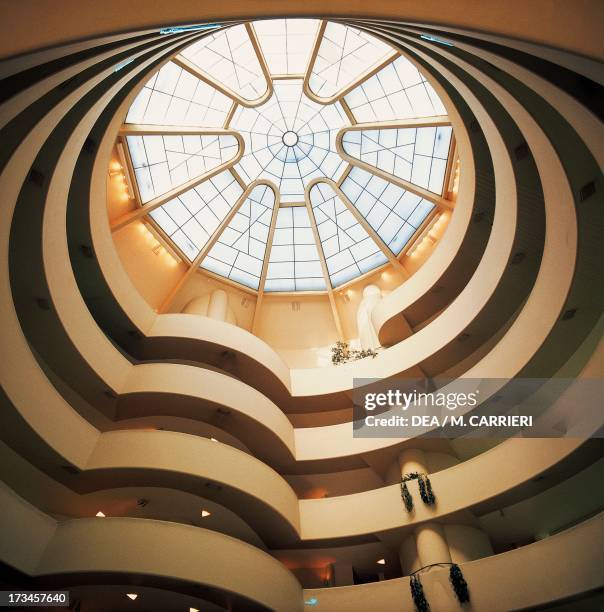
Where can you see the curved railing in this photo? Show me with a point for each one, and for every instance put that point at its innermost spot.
(79, 335)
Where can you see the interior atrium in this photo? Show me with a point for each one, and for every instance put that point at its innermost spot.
(225, 228)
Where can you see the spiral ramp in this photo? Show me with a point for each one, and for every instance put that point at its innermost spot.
(108, 405)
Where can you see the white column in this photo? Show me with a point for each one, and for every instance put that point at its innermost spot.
(431, 544)
(367, 335)
(425, 546)
(218, 306)
(467, 543)
(412, 460)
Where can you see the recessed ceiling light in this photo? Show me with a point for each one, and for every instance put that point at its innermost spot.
(100, 514)
(382, 562)
(213, 439)
(193, 610)
(132, 596)
(205, 513)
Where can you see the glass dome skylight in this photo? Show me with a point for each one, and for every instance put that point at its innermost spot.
(288, 155)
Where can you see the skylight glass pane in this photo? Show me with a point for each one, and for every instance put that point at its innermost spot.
(294, 263)
(228, 57)
(164, 162)
(349, 251)
(239, 251)
(397, 91)
(173, 96)
(345, 54)
(287, 43)
(417, 155)
(191, 218)
(290, 164)
(289, 141)
(395, 214)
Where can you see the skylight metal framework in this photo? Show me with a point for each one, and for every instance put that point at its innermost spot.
(176, 96)
(342, 57)
(291, 155)
(413, 153)
(230, 60)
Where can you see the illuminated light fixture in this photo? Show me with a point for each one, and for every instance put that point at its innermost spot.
(205, 513)
(381, 562)
(125, 170)
(213, 439)
(437, 40)
(193, 610)
(192, 28)
(420, 242)
(100, 514)
(132, 596)
(122, 64)
(158, 246)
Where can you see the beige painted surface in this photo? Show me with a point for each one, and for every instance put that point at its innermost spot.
(60, 502)
(22, 378)
(446, 234)
(431, 543)
(342, 482)
(151, 268)
(417, 257)
(529, 576)
(26, 531)
(241, 303)
(222, 335)
(309, 377)
(123, 288)
(203, 460)
(348, 299)
(217, 558)
(119, 201)
(382, 509)
(154, 548)
(412, 460)
(272, 428)
(573, 26)
(171, 452)
(548, 295)
(76, 321)
(280, 326)
(336, 440)
(467, 543)
(543, 513)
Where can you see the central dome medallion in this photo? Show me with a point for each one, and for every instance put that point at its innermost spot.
(290, 140)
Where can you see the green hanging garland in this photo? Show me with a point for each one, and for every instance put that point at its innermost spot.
(425, 489)
(417, 593)
(458, 582)
(429, 492)
(407, 499)
(460, 586)
(342, 353)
